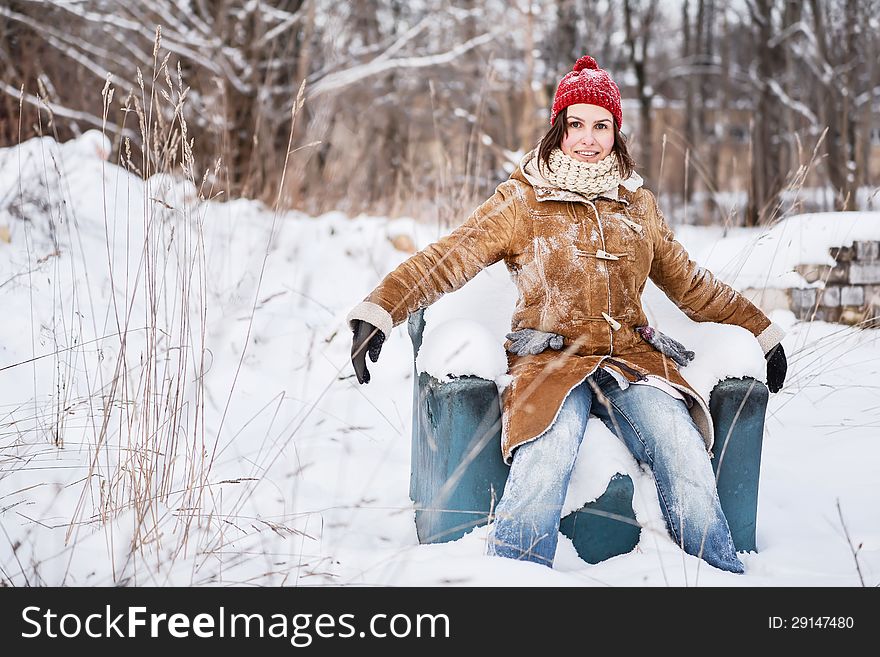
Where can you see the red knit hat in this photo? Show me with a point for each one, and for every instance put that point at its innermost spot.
(587, 83)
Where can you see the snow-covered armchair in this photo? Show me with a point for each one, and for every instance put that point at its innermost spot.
(457, 473)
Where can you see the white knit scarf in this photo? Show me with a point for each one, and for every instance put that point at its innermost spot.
(587, 178)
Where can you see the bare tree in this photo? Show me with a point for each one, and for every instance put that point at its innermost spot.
(704, 108)
(835, 67)
(766, 176)
(639, 24)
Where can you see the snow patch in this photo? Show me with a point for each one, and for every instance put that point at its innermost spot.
(461, 347)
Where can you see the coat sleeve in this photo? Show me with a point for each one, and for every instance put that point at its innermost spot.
(444, 266)
(699, 293)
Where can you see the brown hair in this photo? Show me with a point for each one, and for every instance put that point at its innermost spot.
(554, 136)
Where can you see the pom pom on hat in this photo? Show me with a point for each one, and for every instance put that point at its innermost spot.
(587, 83)
(585, 62)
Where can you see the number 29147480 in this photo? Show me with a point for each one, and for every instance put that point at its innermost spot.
(810, 622)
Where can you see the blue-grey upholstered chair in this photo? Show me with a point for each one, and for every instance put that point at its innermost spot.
(457, 473)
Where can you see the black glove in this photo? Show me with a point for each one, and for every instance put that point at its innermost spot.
(367, 338)
(777, 366)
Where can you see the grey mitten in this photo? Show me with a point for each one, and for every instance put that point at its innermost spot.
(665, 345)
(530, 341)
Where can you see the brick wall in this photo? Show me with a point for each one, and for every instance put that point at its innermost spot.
(852, 287)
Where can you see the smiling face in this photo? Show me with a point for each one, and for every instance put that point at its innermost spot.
(590, 133)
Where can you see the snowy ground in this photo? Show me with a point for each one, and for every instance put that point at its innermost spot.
(177, 404)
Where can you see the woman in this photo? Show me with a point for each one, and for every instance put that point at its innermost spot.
(580, 237)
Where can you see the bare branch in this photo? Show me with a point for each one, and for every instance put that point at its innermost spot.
(791, 103)
(286, 23)
(60, 110)
(382, 64)
(866, 97)
(63, 42)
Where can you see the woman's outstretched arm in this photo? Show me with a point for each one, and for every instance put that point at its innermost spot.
(699, 293)
(444, 266)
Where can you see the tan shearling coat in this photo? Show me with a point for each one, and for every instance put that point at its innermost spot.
(580, 266)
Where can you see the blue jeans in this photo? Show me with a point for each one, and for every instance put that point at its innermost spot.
(658, 430)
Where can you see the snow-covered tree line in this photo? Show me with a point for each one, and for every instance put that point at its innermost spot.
(421, 107)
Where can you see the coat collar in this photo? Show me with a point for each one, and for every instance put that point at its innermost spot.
(546, 191)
